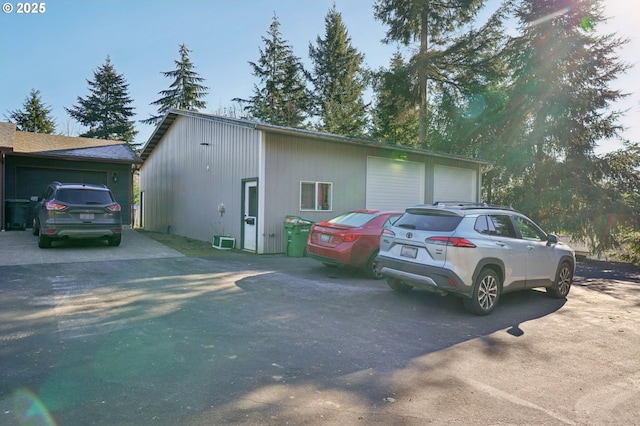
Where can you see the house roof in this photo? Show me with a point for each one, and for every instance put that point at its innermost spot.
(172, 114)
(7, 135)
(68, 147)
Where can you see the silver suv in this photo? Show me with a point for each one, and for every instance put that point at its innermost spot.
(475, 251)
(72, 210)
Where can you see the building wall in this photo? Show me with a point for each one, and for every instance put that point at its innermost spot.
(198, 165)
(292, 159)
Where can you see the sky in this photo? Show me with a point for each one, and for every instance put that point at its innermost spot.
(58, 50)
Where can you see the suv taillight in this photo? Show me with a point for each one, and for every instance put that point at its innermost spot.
(114, 207)
(451, 241)
(389, 233)
(51, 206)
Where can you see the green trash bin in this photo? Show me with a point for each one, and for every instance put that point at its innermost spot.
(16, 213)
(297, 230)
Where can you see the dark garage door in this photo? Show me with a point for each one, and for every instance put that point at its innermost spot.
(31, 181)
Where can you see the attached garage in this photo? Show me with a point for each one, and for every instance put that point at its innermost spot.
(30, 161)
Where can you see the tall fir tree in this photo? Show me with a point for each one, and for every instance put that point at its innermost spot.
(35, 115)
(185, 92)
(339, 80)
(106, 111)
(560, 105)
(281, 97)
(394, 116)
(434, 24)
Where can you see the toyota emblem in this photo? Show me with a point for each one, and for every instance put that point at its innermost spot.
(409, 235)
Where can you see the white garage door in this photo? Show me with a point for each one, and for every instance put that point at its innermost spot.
(454, 184)
(394, 184)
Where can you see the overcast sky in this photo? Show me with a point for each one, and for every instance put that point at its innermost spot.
(58, 50)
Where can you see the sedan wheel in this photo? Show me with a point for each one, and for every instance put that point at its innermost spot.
(486, 293)
(561, 287)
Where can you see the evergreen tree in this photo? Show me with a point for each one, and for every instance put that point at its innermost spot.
(339, 80)
(559, 107)
(186, 92)
(395, 117)
(35, 117)
(433, 24)
(105, 110)
(281, 97)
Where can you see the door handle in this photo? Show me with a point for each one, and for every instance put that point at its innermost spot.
(250, 221)
(500, 243)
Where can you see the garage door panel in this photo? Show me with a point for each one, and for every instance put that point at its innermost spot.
(394, 184)
(454, 184)
(31, 181)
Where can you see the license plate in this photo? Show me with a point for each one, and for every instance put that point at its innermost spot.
(87, 216)
(325, 238)
(411, 252)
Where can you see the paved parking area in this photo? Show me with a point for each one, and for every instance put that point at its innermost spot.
(271, 340)
(21, 248)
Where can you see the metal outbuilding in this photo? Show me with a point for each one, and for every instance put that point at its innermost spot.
(205, 175)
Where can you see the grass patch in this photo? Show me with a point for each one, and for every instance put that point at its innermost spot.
(187, 246)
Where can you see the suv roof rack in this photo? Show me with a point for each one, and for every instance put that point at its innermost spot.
(469, 205)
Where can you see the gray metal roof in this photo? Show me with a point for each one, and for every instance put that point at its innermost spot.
(172, 114)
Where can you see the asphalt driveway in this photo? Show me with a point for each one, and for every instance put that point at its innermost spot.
(272, 340)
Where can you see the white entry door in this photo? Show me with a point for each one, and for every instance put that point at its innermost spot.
(250, 215)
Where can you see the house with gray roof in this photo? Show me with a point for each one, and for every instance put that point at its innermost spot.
(30, 161)
(205, 175)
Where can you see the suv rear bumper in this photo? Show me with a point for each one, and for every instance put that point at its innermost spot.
(81, 233)
(427, 277)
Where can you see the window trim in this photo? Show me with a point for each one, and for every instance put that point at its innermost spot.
(315, 196)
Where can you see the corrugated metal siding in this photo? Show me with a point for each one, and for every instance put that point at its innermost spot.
(184, 181)
(198, 165)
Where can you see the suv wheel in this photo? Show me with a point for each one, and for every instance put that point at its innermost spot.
(43, 242)
(371, 270)
(114, 241)
(562, 285)
(35, 229)
(399, 286)
(486, 293)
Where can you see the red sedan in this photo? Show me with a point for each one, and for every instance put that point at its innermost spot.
(351, 239)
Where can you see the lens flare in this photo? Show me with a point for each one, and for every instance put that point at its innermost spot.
(29, 410)
(550, 16)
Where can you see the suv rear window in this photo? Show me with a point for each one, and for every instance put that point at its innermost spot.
(83, 196)
(428, 220)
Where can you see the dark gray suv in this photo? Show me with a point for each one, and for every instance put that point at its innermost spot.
(475, 251)
(77, 211)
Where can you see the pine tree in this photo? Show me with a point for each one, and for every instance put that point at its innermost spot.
(185, 93)
(281, 97)
(105, 110)
(339, 80)
(35, 117)
(395, 118)
(434, 24)
(559, 107)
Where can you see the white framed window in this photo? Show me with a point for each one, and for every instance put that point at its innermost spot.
(316, 196)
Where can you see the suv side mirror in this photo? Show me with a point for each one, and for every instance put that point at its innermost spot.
(552, 239)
